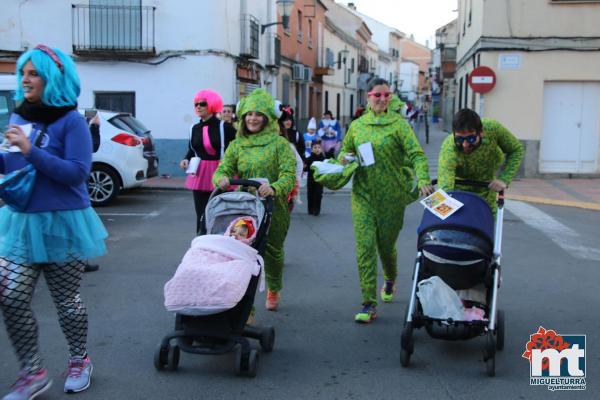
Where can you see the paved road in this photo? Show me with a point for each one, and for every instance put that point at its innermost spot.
(320, 353)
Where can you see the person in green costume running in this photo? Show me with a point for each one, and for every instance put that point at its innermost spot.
(260, 152)
(380, 191)
(476, 151)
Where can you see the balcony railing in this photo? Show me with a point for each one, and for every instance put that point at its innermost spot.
(274, 51)
(113, 30)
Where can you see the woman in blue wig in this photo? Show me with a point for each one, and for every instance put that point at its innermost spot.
(57, 229)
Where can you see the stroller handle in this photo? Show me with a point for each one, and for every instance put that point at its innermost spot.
(482, 184)
(245, 182)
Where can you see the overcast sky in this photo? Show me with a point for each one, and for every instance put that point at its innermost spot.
(419, 17)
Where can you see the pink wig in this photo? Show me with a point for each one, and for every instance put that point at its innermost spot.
(214, 100)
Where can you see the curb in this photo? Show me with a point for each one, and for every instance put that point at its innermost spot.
(551, 202)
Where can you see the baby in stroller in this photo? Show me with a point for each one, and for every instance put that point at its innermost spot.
(215, 272)
(212, 291)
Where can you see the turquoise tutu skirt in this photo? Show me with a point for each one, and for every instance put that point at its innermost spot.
(51, 236)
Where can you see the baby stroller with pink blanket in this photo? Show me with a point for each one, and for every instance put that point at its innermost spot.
(219, 331)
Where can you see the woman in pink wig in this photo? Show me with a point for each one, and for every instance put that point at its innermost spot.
(208, 140)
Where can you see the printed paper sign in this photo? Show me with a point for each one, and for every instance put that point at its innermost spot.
(441, 204)
(365, 152)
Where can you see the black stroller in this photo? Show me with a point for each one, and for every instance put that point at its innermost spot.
(464, 250)
(225, 331)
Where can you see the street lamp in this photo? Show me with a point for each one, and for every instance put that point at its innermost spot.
(284, 9)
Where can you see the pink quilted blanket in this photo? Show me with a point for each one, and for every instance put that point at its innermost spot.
(213, 276)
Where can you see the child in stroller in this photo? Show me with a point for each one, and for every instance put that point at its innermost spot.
(212, 317)
(464, 251)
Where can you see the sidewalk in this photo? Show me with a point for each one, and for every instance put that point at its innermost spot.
(580, 193)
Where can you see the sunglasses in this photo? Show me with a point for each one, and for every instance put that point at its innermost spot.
(50, 53)
(379, 94)
(471, 139)
(201, 104)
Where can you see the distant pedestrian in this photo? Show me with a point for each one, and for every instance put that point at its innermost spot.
(58, 229)
(314, 189)
(286, 120)
(330, 132)
(228, 115)
(208, 140)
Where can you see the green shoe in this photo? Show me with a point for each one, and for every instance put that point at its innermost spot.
(367, 314)
(387, 291)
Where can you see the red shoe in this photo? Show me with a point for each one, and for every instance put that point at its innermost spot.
(272, 300)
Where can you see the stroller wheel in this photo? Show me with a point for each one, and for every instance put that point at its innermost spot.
(252, 363)
(267, 339)
(173, 358)
(500, 329)
(246, 363)
(406, 344)
(160, 357)
(489, 350)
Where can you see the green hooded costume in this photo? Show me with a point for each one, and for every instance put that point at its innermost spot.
(264, 155)
(381, 191)
(483, 163)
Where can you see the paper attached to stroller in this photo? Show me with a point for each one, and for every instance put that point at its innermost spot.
(441, 204)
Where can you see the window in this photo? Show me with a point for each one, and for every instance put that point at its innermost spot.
(116, 24)
(326, 100)
(339, 61)
(115, 101)
(286, 89)
(300, 20)
(470, 14)
(337, 106)
(351, 113)
(352, 66)
(310, 35)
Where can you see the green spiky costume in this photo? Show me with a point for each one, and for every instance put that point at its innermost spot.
(498, 146)
(380, 192)
(264, 155)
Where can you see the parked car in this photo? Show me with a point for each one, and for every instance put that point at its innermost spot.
(119, 162)
(129, 123)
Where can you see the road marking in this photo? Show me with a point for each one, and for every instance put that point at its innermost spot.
(559, 233)
(153, 214)
(543, 200)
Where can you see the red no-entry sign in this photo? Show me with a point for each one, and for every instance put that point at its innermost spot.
(482, 79)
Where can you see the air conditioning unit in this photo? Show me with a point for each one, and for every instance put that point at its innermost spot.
(297, 72)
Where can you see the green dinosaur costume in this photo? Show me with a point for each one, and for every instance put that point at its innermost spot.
(264, 155)
(380, 192)
(483, 163)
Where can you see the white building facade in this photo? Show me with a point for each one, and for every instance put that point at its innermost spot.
(149, 57)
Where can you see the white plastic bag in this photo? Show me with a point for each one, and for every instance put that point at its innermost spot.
(439, 300)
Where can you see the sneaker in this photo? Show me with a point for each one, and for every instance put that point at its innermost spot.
(79, 375)
(387, 291)
(367, 314)
(272, 300)
(29, 386)
(91, 267)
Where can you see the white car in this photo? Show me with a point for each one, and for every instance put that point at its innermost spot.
(119, 162)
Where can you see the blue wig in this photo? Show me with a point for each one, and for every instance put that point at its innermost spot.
(61, 87)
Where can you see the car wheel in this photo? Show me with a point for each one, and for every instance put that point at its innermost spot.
(103, 185)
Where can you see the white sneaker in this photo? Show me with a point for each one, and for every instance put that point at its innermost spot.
(79, 375)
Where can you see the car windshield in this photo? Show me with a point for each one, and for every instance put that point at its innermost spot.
(129, 123)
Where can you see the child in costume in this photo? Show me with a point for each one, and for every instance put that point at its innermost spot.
(331, 134)
(311, 136)
(214, 273)
(314, 189)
